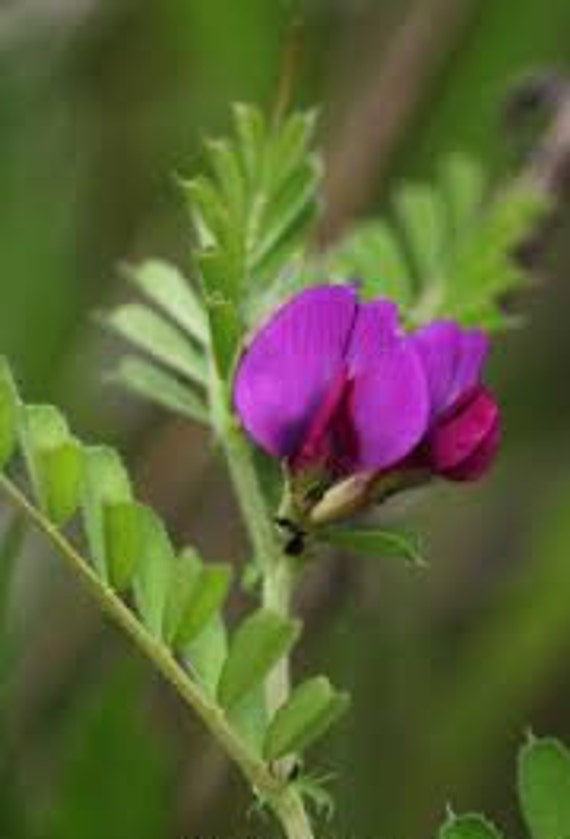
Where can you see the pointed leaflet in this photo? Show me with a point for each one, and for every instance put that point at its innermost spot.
(152, 333)
(171, 291)
(123, 529)
(54, 460)
(146, 380)
(60, 471)
(371, 254)
(286, 372)
(258, 644)
(470, 826)
(463, 184)
(421, 213)
(105, 483)
(196, 592)
(311, 709)
(153, 572)
(544, 788)
(205, 655)
(377, 544)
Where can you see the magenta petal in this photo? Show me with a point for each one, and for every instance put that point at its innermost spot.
(390, 402)
(467, 432)
(453, 359)
(292, 362)
(482, 458)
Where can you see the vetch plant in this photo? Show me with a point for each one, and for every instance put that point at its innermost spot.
(359, 371)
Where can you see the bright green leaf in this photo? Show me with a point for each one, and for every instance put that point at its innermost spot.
(378, 544)
(463, 184)
(205, 595)
(105, 482)
(470, 826)
(42, 428)
(60, 474)
(123, 529)
(149, 331)
(146, 380)
(258, 644)
(153, 571)
(544, 788)
(251, 134)
(206, 654)
(421, 214)
(229, 175)
(249, 717)
(371, 253)
(171, 291)
(309, 712)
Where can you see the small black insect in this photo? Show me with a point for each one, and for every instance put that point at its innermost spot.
(294, 536)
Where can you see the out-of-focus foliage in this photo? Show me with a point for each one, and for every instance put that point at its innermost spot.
(101, 102)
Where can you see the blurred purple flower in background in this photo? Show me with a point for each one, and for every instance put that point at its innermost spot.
(335, 384)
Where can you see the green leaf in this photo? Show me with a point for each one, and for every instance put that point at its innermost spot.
(251, 134)
(312, 708)
(288, 149)
(105, 483)
(484, 267)
(469, 826)
(258, 644)
(123, 529)
(146, 380)
(381, 544)
(9, 410)
(206, 654)
(229, 175)
(371, 253)
(224, 316)
(150, 332)
(60, 474)
(421, 213)
(154, 571)
(171, 291)
(205, 596)
(249, 717)
(195, 592)
(463, 182)
(42, 429)
(216, 228)
(544, 788)
(287, 215)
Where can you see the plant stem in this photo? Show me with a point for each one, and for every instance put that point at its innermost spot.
(210, 713)
(277, 584)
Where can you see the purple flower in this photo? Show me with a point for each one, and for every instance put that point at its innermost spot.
(463, 432)
(335, 384)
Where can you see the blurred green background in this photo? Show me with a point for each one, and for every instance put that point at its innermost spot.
(102, 103)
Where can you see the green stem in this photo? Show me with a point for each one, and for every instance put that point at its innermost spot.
(277, 586)
(286, 802)
(254, 769)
